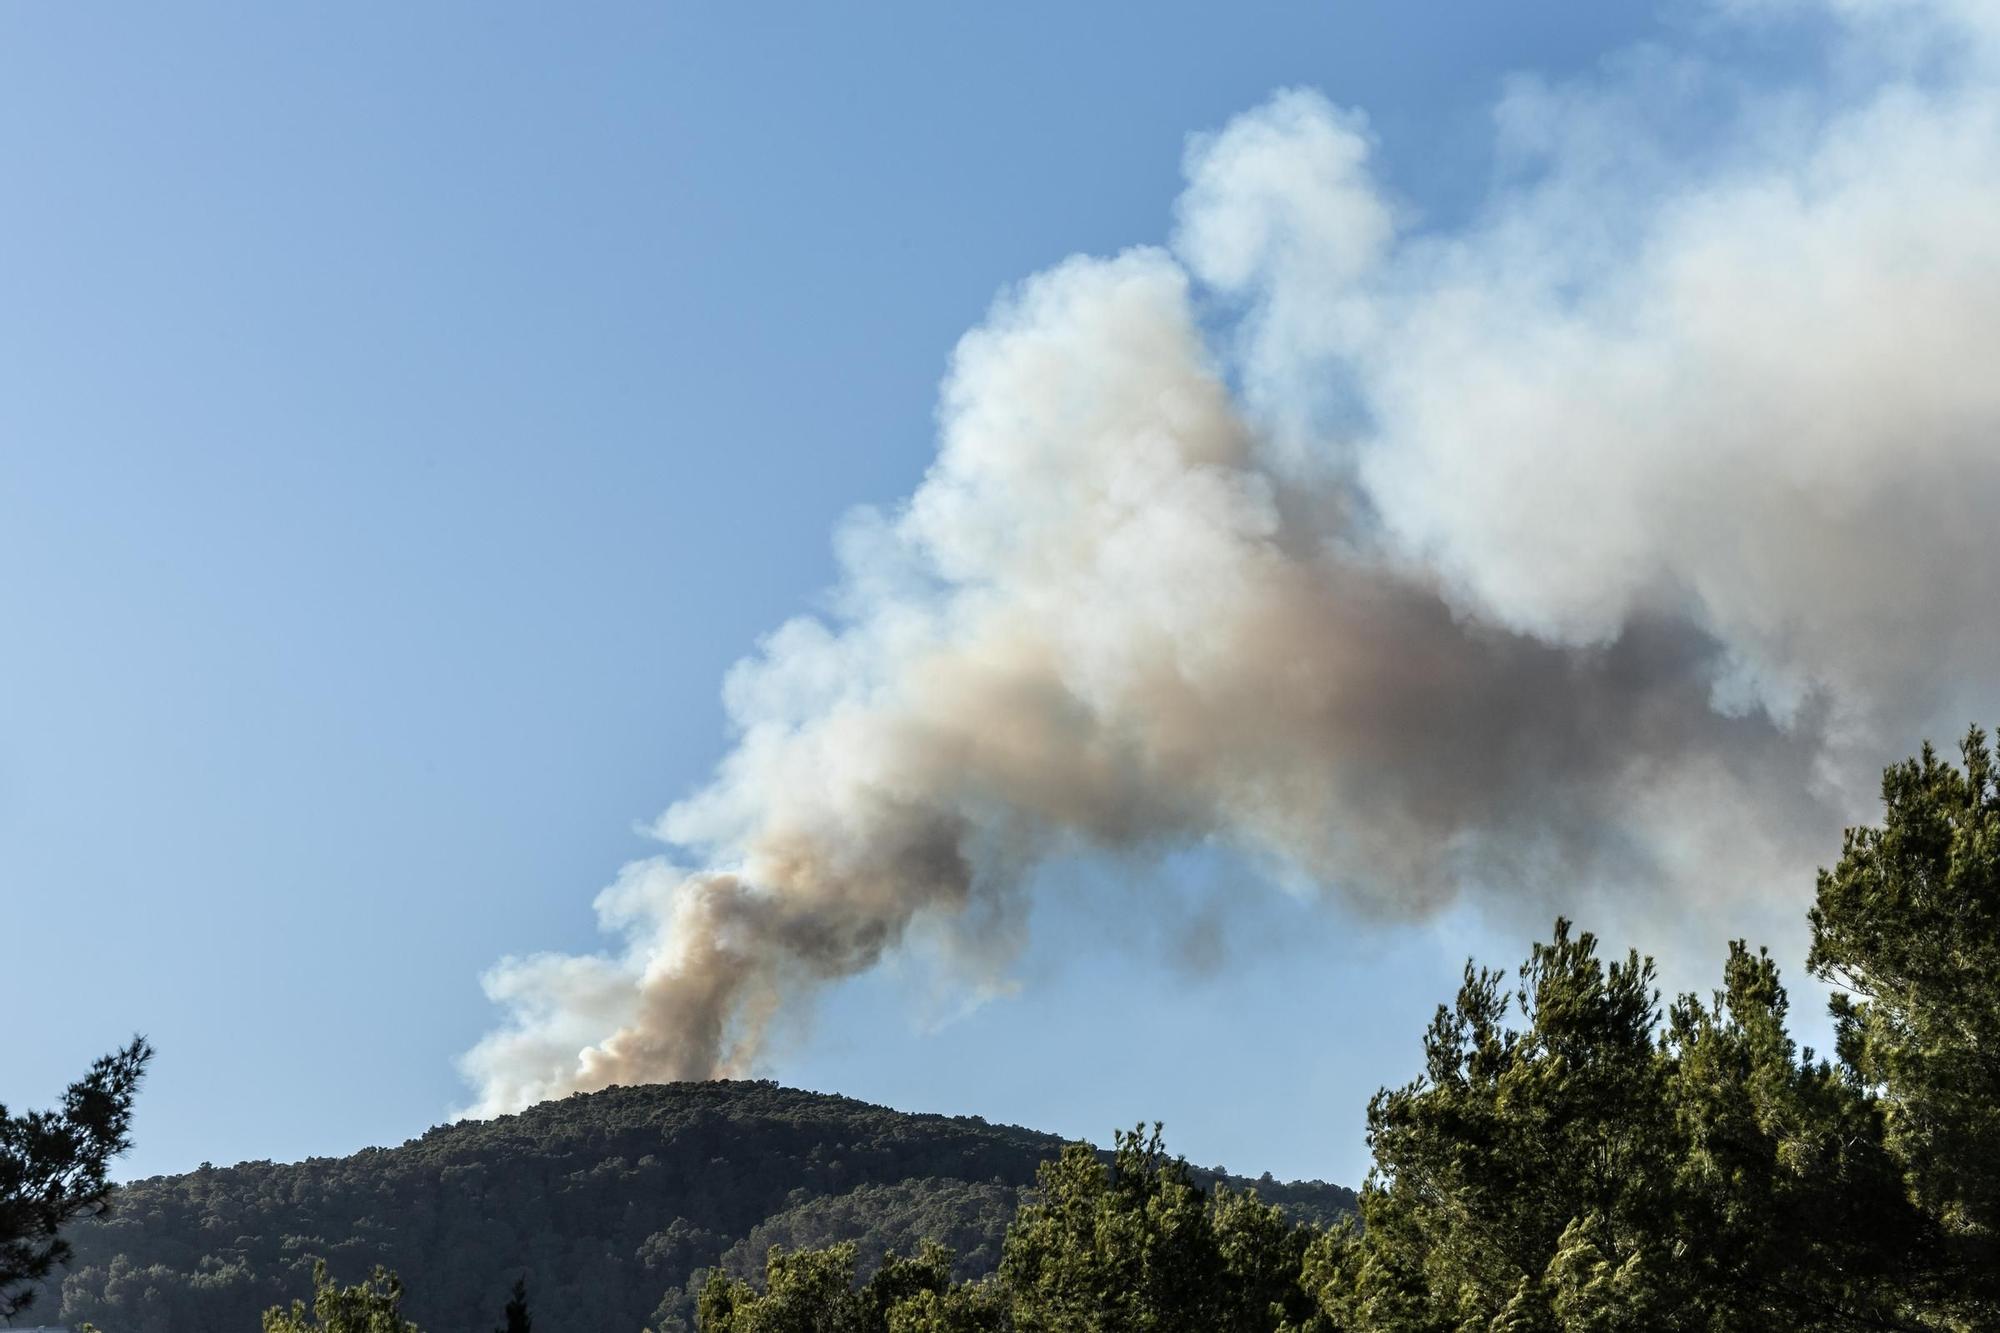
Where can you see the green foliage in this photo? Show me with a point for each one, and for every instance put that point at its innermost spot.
(374, 1306)
(55, 1168)
(1591, 1171)
(814, 1291)
(967, 1217)
(613, 1205)
(1525, 1164)
(1137, 1244)
(1788, 1207)
(1129, 1244)
(970, 1307)
(1110, 1246)
(1908, 924)
(811, 1292)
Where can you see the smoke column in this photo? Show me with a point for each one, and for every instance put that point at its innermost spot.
(1611, 539)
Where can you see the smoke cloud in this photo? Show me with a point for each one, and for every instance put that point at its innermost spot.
(1612, 538)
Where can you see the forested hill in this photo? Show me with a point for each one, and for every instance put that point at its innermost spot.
(609, 1203)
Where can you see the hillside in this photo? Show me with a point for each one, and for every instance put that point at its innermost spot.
(609, 1203)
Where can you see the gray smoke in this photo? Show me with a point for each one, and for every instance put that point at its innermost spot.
(1611, 539)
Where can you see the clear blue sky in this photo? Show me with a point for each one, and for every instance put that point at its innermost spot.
(408, 412)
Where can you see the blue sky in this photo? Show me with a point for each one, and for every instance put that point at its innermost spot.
(407, 414)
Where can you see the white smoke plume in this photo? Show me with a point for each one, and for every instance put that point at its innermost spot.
(1612, 538)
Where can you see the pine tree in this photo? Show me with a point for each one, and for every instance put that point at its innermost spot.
(1908, 926)
(518, 1320)
(55, 1168)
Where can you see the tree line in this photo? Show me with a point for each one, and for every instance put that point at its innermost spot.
(1578, 1156)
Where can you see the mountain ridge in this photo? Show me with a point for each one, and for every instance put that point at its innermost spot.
(611, 1204)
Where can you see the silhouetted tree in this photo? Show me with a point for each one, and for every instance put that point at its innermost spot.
(55, 1168)
(518, 1320)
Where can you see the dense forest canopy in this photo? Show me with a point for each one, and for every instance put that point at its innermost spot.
(609, 1204)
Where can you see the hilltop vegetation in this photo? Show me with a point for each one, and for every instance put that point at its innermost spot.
(609, 1204)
